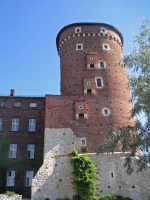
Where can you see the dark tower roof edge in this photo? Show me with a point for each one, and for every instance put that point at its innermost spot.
(87, 23)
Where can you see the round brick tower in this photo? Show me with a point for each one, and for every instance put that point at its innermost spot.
(89, 61)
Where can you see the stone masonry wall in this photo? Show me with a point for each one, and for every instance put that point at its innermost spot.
(54, 178)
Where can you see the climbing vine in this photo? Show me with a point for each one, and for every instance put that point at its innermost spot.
(84, 175)
(19, 165)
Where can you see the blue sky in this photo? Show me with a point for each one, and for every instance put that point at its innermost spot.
(29, 62)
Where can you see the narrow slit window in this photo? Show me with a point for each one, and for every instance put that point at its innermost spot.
(83, 142)
(99, 82)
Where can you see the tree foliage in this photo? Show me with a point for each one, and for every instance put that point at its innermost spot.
(139, 61)
(84, 176)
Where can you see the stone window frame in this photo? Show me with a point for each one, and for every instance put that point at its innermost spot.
(104, 63)
(102, 84)
(106, 47)
(77, 47)
(33, 105)
(1, 124)
(32, 125)
(15, 124)
(80, 107)
(17, 104)
(88, 83)
(104, 111)
(13, 151)
(78, 30)
(103, 29)
(29, 176)
(30, 151)
(10, 178)
(83, 139)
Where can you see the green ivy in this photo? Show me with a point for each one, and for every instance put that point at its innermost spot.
(19, 165)
(84, 176)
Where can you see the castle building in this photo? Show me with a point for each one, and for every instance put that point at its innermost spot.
(94, 98)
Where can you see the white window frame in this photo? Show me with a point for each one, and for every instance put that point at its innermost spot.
(104, 63)
(17, 104)
(77, 47)
(30, 151)
(15, 124)
(108, 111)
(10, 178)
(13, 151)
(103, 29)
(32, 125)
(2, 104)
(80, 107)
(78, 30)
(104, 47)
(83, 139)
(1, 124)
(29, 177)
(102, 85)
(33, 105)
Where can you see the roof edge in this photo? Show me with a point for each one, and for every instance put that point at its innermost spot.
(87, 23)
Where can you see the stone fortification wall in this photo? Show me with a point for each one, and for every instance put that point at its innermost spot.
(15, 197)
(54, 178)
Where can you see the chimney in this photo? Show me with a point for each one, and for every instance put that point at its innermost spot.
(12, 92)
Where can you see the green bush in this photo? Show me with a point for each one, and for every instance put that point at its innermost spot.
(10, 193)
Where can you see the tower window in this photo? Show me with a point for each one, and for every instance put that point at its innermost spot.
(79, 47)
(92, 66)
(91, 58)
(106, 111)
(83, 142)
(80, 107)
(78, 30)
(104, 30)
(102, 64)
(88, 83)
(106, 47)
(99, 82)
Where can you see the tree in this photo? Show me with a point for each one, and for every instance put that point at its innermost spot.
(137, 136)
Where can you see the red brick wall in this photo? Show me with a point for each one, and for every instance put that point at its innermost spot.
(115, 95)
